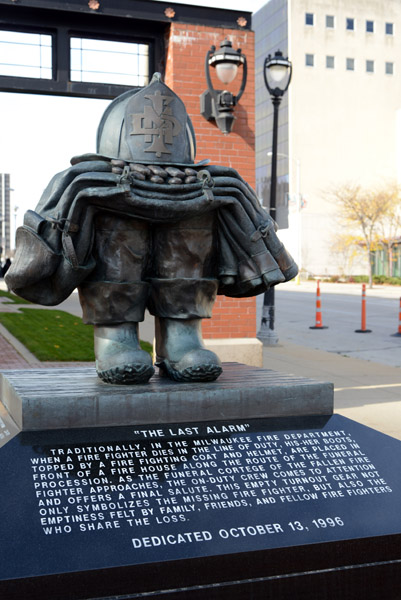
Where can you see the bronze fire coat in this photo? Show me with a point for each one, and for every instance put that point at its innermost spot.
(54, 245)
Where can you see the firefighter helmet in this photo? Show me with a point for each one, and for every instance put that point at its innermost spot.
(148, 125)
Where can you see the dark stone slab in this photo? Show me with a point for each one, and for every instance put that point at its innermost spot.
(8, 428)
(70, 398)
(304, 507)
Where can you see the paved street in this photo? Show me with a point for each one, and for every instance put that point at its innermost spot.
(365, 368)
(341, 312)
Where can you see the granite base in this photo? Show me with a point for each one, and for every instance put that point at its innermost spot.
(304, 507)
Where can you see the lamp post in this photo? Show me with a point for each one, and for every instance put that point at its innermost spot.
(219, 105)
(277, 72)
(16, 209)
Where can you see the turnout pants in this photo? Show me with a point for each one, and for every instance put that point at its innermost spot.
(169, 268)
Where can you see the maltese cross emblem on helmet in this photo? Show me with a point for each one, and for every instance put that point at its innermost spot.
(157, 123)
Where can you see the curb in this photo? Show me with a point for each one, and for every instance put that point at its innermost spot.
(20, 348)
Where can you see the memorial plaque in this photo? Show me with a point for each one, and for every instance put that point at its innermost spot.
(169, 504)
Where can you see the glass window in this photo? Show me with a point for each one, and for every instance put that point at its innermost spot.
(102, 61)
(389, 68)
(330, 21)
(389, 28)
(370, 66)
(309, 19)
(25, 54)
(350, 64)
(370, 26)
(309, 60)
(329, 62)
(350, 24)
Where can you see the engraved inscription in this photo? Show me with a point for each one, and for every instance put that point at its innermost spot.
(166, 478)
(4, 431)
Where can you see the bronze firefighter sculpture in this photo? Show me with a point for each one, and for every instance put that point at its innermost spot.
(140, 225)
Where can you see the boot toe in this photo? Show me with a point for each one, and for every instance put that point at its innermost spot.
(125, 367)
(133, 373)
(196, 365)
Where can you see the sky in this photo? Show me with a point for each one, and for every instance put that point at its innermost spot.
(38, 137)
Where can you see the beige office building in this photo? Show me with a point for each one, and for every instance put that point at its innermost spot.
(340, 119)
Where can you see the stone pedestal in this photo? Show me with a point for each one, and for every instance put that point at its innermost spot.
(70, 398)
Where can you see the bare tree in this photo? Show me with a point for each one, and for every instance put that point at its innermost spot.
(362, 210)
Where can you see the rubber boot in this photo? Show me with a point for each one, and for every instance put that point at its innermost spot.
(119, 357)
(181, 354)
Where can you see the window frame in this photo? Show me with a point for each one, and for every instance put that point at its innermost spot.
(346, 63)
(392, 28)
(367, 63)
(328, 61)
(76, 26)
(34, 31)
(386, 64)
(366, 26)
(37, 66)
(307, 54)
(84, 50)
(307, 14)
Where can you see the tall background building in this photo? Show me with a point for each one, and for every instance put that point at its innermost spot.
(5, 215)
(340, 121)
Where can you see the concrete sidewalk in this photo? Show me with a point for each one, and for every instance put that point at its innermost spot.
(365, 391)
(368, 391)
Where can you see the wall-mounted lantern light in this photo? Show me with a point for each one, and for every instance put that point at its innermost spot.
(219, 104)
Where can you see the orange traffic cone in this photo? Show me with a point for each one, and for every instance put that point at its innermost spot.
(398, 333)
(363, 317)
(318, 324)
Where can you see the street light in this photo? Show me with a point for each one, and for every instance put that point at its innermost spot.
(277, 72)
(219, 105)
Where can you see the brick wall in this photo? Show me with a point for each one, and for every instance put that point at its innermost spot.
(187, 46)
